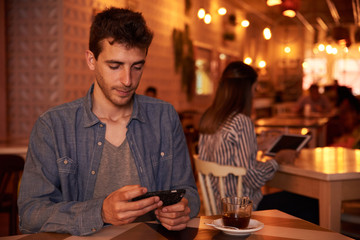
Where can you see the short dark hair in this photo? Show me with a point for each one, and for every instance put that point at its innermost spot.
(123, 26)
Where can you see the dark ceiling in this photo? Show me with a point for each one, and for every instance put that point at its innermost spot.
(310, 10)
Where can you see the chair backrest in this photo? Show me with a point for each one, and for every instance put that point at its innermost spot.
(10, 166)
(204, 169)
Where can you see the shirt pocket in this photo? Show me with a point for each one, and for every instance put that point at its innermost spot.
(68, 169)
(67, 165)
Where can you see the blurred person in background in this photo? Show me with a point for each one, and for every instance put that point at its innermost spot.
(227, 134)
(151, 92)
(318, 102)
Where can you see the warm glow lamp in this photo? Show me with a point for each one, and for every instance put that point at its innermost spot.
(207, 18)
(222, 11)
(273, 2)
(290, 7)
(267, 33)
(201, 13)
(245, 23)
(248, 60)
(262, 64)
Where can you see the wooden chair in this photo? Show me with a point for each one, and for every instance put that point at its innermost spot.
(204, 169)
(11, 167)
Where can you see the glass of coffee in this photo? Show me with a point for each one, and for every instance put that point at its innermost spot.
(236, 211)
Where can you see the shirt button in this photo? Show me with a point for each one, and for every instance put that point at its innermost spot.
(66, 162)
(162, 154)
(99, 143)
(93, 229)
(93, 172)
(101, 125)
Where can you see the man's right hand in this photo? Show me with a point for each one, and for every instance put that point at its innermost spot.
(118, 208)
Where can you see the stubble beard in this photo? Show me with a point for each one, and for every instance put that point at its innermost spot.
(106, 90)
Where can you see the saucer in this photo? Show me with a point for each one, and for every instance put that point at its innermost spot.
(254, 226)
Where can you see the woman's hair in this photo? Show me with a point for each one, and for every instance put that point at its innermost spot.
(233, 96)
(121, 26)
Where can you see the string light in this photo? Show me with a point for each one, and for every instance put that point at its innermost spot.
(321, 47)
(287, 49)
(248, 60)
(201, 13)
(267, 33)
(262, 64)
(273, 2)
(207, 18)
(245, 23)
(222, 11)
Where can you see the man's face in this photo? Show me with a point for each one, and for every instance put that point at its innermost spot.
(118, 72)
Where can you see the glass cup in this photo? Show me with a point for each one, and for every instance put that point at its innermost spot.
(236, 211)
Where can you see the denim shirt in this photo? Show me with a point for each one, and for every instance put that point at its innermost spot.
(65, 147)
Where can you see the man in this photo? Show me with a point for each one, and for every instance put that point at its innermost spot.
(89, 158)
(318, 103)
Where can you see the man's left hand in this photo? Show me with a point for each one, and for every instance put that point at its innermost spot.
(174, 217)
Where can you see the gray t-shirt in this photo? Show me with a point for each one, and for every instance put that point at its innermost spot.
(117, 169)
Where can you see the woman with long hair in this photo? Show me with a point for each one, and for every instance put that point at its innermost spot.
(227, 134)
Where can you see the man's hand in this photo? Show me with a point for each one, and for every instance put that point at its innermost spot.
(118, 209)
(174, 217)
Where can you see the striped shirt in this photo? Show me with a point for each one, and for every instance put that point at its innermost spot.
(235, 144)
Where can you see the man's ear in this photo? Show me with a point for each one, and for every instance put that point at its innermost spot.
(90, 59)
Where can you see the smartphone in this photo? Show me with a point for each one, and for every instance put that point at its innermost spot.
(168, 197)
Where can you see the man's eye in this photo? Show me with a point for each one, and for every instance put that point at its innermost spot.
(113, 67)
(138, 67)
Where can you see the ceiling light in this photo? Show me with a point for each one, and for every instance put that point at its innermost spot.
(262, 64)
(289, 13)
(267, 33)
(321, 47)
(207, 18)
(201, 13)
(245, 23)
(248, 60)
(290, 7)
(222, 11)
(273, 2)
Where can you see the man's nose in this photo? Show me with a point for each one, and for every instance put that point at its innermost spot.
(126, 78)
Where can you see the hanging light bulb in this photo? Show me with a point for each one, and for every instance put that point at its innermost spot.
(262, 64)
(321, 47)
(222, 11)
(267, 33)
(248, 60)
(289, 13)
(201, 13)
(287, 49)
(245, 23)
(271, 3)
(207, 18)
(289, 7)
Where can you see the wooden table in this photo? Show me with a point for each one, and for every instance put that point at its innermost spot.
(14, 149)
(294, 124)
(329, 174)
(277, 225)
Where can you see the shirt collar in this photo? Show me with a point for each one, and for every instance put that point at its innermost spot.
(138, 111)
(90, 118)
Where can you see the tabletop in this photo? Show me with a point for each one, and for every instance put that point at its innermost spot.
(329, 174)
(14, 149)
(277, 225)
(296, 122)
(326, 163)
